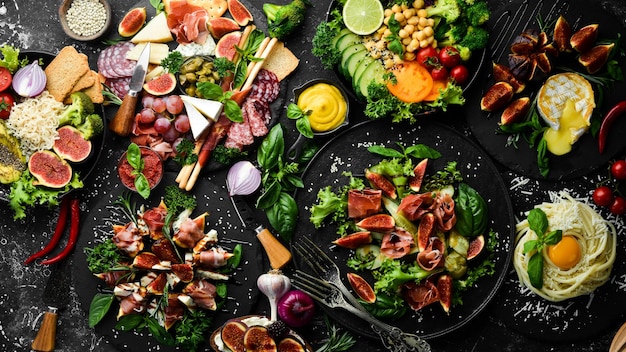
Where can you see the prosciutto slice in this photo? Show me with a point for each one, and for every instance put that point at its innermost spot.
(213, 258)
(420, 295)
(397, 243)
(203, 293)
(432, 257)
(188, 22)
(364, 203)
(128, 239)
(190, 232)
(415, 206)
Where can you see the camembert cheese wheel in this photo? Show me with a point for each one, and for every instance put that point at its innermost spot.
(560, 88)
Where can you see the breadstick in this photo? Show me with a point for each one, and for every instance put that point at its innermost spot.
(257, 64)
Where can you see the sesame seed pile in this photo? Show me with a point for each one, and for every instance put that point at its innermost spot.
(86, 17)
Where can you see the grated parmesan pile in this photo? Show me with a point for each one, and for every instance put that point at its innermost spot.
(34, 122)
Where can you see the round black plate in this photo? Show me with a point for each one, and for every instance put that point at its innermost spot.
(211, 197)
(83, 168)
(348, 152)
(507, 23)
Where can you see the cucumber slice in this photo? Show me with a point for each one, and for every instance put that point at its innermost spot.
(347, 40)
(359, 72)
(340, 35)
(346, 54)
(353, 62)
(373, 72)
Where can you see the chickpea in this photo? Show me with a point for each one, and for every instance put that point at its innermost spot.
(386, 21)
(431, 22)
(430, 40)
(399, 17)
(387, 33)
(404, 6)
(409, 28)
(403, 33)
(375, 54)
(423, 22)
(381, 45)
(422, 13)
(388, 63)
(418, 4)
(424, 43)
(409, 56)
(396, 8)
(411, 48)
(408, 13)
(428, 31)
(406, 41)
(388, 12)
(420, 35)
(414, 43)
(413, 21)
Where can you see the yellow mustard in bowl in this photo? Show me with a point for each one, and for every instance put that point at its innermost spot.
(327, 105)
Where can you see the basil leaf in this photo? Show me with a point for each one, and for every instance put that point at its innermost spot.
(210, 90)
(538, 221)
(384, 151)
(130, 322)
(294, 112)
(553, 237)
(303, 125)
(530, 246)
(542, 158)
(100, 304)
(271, 148)
(233, 110)
(233, 262)
(269, 196)
(471, 211)
(535, 270)
(240, 75)
(294, 180)
(159, 332)
(133, 155)
(283, 216)
(142, 186)
(422, 151)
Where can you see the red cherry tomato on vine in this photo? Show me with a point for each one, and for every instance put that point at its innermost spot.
(603, 196)
(459, 74)
(449, 56)
(439, 73)
(6, 103)
(618, 169)
(5, 78)
(618, 207)
(428, 57)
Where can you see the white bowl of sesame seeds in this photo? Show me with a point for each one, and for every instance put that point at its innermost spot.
(85, 20)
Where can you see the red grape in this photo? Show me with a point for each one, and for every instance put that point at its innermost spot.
(147, 101)
(158, 105)
(174, 104)
(162, 125)
(147, 115)
(171, 134)
(181, 123)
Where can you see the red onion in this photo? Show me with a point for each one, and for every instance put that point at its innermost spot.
(29, 81)
(243, 179)
(296, 308)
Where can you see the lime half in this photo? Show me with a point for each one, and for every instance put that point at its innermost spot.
(363, 17)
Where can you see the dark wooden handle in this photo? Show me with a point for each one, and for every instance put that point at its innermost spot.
(277, 253)
(45, 339)
(122, 122)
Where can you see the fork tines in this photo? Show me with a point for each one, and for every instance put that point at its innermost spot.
(311, 254)
(315, 287)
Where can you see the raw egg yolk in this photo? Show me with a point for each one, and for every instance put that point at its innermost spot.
(565, 254)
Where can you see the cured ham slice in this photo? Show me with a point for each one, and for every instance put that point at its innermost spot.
(420, 295)
(190, 231)
(128, 239)
(213, 258)
(203, 294)
(415, 206)
(188, 22)
(397, 243)
(173, 312)
(112, 278)
(154, 219)
(364, 203)
(433, 256)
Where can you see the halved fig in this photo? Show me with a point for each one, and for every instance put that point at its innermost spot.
(476, 247)
(584, 38)
(501, 73)
(497, 97)
(525, 43)
(232, 335)
(290, 344)
(425, 230)
(71, 145)
(49, 169)
(419, 171)
(515, 111)
(227, 45)
(543, 62)
(354, 240)
(595, 58)
(562, 35)
(132, 22)
(362, 288)
(444, 286)
(380, 182)
(220, 26)
(240, 12)
(378, 223)
(162, 85)
(258, 339)
(523, 67)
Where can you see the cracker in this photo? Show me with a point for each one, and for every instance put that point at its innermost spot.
(95, 91)
(215, 8)
(281, 61)
(86, 81)
(65, 71)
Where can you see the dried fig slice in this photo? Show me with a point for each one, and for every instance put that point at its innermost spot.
(497, 97)
(501, 73)
(584, 39)
(515, 111)
(258, 339)
(562, 35)
(594, 59)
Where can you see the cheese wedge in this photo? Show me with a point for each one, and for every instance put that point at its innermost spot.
(158, 52)
(155, 31)
(211, 109)
(197, 122)
(560, 88)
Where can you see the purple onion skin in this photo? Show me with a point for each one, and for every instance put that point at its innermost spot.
(296, 308)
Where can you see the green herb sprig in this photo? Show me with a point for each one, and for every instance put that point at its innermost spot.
(538, 222)
(133, 156)
(185, 154)
(303, 125)
(172, 62)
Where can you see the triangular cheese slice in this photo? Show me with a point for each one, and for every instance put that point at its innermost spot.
(156, 31)
(198, 123)
(209, 108)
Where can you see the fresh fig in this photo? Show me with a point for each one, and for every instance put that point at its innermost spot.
(232, 334)
(290, 344)
(240, 12)
(543, 62)
(585, 38)
(497, 97)
(49, 169)
(562, 35)
(425, 230)
(71, 145)
(377, 223)
(380, 182)
(444, 287)
(595, 58)
(225, 47)
(523, 67)
(475, 247)
(354, 240)
(515, 111)
(257, 339)
(419, 171)
(183, 271)
(162, 85)
(132, 22)
(220, 26)
(525, 43)
(362, 288)
(501, 73)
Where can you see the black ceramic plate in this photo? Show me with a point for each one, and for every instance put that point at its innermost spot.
(510, 21)
(211, 197)
(85, 167)
(348, 152)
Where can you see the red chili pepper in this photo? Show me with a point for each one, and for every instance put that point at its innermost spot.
(58, 232)
(74, 231)
(609, 118)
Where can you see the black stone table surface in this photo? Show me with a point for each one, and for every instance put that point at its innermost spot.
(34, 25)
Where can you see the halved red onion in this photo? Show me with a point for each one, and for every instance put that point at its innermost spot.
(29, 81)
(243, 179)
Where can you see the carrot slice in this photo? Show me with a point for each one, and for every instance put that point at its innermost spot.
(434, 92)
(413, 82)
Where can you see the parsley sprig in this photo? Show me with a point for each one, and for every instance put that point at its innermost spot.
(538, 222)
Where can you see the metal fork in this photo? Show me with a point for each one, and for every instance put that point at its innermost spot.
(331, 296)
(323, 266)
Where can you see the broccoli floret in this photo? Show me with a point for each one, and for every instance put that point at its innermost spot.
(92, 126)
(76, 112)
(478, 13)
(454, 34)
(476, 38)
(323, 45)
(392, 274)
(283, 20)
(447, 9)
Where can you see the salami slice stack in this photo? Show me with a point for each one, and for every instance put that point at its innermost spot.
(116, 68)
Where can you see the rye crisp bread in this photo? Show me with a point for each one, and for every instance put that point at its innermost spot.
(94, 91)
(65, 71)
(281, 61)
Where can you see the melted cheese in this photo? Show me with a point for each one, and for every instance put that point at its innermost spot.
(571, 126)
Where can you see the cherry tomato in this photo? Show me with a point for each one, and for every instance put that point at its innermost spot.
(459, 74)
(6, 103)
(449, 56)
(5, 78)
(618, 207)
(428, 57)
(618, 169)
(439, 73)
(603, 196)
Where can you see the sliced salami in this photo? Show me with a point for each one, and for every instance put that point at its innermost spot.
(119, 86)
(265, 87)
(256, 112)
(239, 134)
(112, 62)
